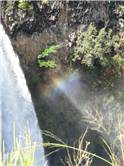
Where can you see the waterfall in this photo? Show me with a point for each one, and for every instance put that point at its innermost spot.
(16, 108)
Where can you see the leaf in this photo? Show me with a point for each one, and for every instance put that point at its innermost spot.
(47, 64)
(48, 51)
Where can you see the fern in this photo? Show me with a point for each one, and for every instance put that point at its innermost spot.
(47, 64)
(42, 62)
(48, 51)
(23, 5)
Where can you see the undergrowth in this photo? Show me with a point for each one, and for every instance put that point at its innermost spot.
(76, 155)
(42, 57)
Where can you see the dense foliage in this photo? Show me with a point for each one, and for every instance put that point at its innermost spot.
(23, 5)
(100, 49)
(42, 62)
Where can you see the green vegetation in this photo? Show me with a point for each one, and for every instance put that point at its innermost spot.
(20, 155)
(93, 46)
(100, 49)
(24, 5)
(48, 51)
(45, 63)
(76, 155)
(101, 52)
(121, 8)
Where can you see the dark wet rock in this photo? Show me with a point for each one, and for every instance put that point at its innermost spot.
(28, 21)
(41, 16)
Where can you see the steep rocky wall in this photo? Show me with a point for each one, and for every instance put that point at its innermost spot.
(28, 20)
(41, 16)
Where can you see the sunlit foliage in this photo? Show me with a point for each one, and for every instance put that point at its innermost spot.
(42, 61)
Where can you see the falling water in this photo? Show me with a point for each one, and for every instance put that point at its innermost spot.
(16, 108)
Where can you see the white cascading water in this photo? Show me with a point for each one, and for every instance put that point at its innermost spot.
(16, 108)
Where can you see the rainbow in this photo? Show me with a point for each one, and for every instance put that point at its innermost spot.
(61, 83)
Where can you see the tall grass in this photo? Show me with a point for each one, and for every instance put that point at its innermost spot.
(109, 123)
(20, 155)
(25, 152)
(24, 155)
(104, 115)
(77, 154)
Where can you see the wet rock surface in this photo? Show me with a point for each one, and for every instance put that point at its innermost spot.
(40, 16)
(28, 20)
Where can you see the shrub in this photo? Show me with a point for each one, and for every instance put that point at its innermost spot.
(47, 51)
(23, 5)
(93, 47)
(43, 62)
(99, 49)
(47, 64)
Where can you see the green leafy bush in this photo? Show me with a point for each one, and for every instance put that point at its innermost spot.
(23, 5)
(99, 48)
(49, 50)
(94, 47)
(45, 63)
(121, 8)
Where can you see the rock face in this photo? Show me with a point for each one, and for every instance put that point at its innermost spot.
(28, 19)
(39, 16)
